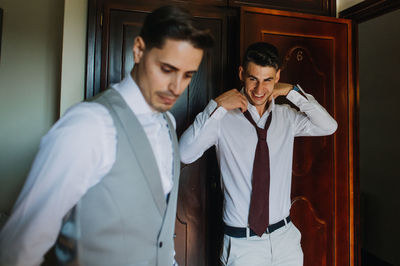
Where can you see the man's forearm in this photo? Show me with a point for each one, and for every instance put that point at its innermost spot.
(202, 134)
(320, 122)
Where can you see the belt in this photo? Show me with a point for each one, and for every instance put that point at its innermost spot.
(241, 232)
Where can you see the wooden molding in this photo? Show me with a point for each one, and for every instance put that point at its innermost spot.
(316, 7)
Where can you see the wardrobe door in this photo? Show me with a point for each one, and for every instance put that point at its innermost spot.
(198, 218)
(316, 55)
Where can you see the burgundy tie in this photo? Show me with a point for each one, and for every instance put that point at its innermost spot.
(259, 203)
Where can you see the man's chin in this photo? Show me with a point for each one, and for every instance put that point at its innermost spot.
(163, 107)
(257, 102)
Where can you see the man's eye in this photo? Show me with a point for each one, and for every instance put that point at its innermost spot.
(165, 69)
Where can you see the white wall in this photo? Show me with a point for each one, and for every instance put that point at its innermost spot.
(74, 53)
(39, 40)
(29, 86)
(344, 4)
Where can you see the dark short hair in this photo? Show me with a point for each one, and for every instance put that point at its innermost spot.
(172, 22)
(262, 54)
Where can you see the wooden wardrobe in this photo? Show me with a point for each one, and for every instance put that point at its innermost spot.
(317, 55)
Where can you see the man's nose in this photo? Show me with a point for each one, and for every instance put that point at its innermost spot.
(257, 88)
(176, 86)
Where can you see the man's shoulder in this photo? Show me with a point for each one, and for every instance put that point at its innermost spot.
(284, 109)
(85, 111)
(232, 116)
(84, 126)
(85, 117)
(234, 113)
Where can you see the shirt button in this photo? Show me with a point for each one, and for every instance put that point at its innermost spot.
(160, 244)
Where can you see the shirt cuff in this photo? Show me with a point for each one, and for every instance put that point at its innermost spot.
(297, 96)
(214, 111)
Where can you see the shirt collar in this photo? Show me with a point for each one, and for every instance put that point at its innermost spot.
(133, 96)
(253, 109)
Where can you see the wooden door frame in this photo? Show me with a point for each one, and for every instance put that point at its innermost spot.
(93, 28)
(359, 13)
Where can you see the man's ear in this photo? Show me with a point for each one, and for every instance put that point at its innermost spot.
(278, 76)
(241, 70)
(138, 49)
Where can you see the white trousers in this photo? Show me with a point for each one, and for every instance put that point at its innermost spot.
(281, 247)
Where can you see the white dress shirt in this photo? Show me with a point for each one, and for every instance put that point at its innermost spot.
(235, 139)
(77, 152)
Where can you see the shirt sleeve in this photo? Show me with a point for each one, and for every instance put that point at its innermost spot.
(70, 160)
(313, 119)
(202, 134)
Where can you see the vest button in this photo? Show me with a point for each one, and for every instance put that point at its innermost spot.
(160, 244)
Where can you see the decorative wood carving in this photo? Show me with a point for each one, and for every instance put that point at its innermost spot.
(189, 227)
(314, 243)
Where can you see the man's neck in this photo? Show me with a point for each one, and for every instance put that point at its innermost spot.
(134, 75)
(262, 109)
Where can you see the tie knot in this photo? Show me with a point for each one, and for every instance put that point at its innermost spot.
(261, 133)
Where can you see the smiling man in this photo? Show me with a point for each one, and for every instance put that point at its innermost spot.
(254, 143)
(104, 184)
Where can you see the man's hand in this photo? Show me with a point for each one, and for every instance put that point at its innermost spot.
(280, 89)
(232, 99)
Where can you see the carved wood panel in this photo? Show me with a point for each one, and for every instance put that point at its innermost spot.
(306, 62)
(315, 241)
(315, 55)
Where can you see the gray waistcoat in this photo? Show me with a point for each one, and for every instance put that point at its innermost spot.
(124, 219)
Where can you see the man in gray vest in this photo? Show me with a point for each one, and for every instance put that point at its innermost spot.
(104, 183)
